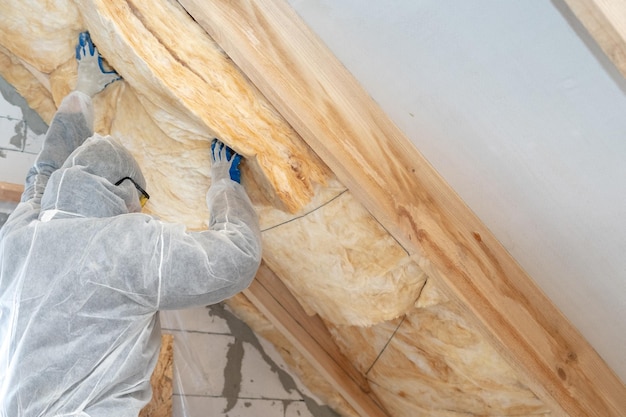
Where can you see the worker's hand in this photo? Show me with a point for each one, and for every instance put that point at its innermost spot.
(92, 77)
(224, 162)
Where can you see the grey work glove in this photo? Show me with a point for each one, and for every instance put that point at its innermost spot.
(224, 162)
(92, 77)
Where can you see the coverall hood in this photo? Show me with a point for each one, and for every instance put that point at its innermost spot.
(85, 185)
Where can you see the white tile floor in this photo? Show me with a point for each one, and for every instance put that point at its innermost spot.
(222, 368)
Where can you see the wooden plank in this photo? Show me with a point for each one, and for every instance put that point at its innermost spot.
(312, 325)
(370, 155)
(11, 192)
(310, 336)
(605, 20)
(161, 381)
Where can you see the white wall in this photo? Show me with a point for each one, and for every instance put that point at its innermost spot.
(525, 118)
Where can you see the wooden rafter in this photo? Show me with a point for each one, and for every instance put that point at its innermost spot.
(11, 192)
(369, 154)
(605, 20)
(310, 336)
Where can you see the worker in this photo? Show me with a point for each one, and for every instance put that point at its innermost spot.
(83, 273)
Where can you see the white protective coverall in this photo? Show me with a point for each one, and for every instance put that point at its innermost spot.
(83, 274)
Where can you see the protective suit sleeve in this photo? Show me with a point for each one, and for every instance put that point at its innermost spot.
(71, 125)
(202, 268)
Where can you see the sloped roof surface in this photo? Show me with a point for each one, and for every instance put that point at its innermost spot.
(388, 306)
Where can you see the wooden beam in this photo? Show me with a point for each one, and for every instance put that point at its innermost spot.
(310, 336)
(369, 154)
(11, 192)
(605, 20)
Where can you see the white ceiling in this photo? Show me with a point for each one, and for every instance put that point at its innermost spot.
(523, 115)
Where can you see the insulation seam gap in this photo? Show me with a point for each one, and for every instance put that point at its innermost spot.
(395, 331)
(386, 344)
(305, 214)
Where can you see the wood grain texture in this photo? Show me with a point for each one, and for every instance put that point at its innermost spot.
(150, 111)
(11, 192)
(452, 371)
(308, 373)
(605, 20)
(161, 381)
(194, 93)
(343, 125)
(313, 340)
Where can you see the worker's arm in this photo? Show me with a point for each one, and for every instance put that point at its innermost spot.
(73, 121)
(71, 125)
(206, 267)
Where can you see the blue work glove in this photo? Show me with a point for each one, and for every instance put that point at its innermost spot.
(92, 76)
(224, 162)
